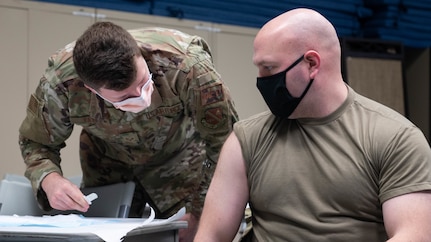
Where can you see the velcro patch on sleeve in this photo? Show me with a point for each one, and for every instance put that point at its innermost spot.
(213, 118)
(212, 94)
(33, 105)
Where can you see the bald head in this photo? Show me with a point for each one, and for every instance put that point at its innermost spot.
(293, 33)
(302, 27)
(297, 31)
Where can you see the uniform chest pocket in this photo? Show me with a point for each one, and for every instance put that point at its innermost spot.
(123, 134)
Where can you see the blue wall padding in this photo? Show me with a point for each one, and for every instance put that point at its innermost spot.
(394, 20)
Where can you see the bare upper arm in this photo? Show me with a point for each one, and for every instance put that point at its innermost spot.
(227, 194)
(408, 217)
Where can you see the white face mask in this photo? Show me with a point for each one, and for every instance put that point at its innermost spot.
(136, 104)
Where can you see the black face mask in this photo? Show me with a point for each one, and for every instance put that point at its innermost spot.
(277, 97)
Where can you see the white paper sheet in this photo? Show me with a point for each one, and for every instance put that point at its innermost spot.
(108, 229)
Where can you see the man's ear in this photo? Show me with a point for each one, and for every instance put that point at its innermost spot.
(313, 59)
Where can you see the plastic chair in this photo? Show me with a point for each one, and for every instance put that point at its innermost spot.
(16, 197)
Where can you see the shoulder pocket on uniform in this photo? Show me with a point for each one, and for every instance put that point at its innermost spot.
(33, 126)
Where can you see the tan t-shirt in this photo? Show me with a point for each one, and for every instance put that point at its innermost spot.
(326, 179)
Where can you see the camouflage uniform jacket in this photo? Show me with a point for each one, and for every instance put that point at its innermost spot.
(170, 148)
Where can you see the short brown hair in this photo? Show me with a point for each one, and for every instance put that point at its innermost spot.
(104, 56)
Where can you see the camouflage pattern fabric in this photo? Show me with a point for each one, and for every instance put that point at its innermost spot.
(170, 149)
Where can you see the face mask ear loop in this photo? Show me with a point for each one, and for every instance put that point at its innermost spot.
(294, 63)
(306, 89)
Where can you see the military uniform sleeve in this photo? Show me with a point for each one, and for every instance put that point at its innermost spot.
(44, 130)
(214, 113)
